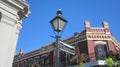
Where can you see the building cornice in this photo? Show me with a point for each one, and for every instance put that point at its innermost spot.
(103, 37)
(38, 52)
(32, 54)
(21, 8)
(13, 12)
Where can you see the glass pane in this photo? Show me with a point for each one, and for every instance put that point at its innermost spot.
(55, 24)
(100, 48)
(101, 52)
(61, 24)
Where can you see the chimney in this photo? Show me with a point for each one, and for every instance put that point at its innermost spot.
(21, 53)
(76, 34)
(106, 27)
(87, 26)
(105, 24)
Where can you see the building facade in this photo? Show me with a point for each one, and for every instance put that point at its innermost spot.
(12, 12)
(94, 42)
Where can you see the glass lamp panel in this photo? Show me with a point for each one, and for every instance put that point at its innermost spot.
(61, 24)
(55, 24)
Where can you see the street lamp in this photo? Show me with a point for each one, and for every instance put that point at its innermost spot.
(58, 23)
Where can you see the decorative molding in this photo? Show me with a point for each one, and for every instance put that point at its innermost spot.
(100, 42)
(7, 23)
(20, 7)
(18, 28)
(77, 39)
(98, 37)
(32, 54)
(103, 37)
(115, 42)
(7, 20)
(7, 8)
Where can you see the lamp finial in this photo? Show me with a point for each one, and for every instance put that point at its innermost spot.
(59, 12)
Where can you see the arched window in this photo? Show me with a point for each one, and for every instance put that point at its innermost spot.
(35, 66)
(101, 52)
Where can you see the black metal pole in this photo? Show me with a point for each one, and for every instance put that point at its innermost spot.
(57, 51)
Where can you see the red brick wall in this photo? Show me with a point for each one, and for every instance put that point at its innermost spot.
(77, 49)
(111, 46)
(83, 48)
(88, 29)
(91, 50)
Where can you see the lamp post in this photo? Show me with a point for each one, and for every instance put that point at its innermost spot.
(58, 23)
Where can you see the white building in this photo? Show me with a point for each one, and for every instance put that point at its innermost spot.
(12, 12)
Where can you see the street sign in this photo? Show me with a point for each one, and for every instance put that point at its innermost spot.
(67, 48)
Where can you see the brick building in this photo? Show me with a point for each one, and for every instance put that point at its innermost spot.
(95, 42)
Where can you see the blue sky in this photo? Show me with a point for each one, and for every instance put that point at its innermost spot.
(36, 29)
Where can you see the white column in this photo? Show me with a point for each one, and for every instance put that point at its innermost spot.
(10, 25)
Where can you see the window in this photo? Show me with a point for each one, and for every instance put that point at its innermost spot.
(101, 52)
(44, 61)
(35, 66)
